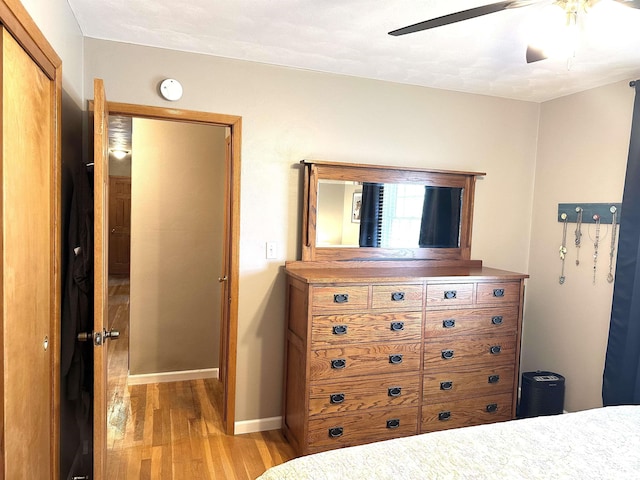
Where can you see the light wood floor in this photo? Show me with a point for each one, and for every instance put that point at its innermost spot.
(173, 430)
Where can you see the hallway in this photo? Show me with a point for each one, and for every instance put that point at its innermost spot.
(173, 430)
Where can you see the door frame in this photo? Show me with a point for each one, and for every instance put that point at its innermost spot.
(17, 21)
(229, 325)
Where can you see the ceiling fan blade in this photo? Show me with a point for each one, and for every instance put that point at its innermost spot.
(629, 3)
(458, 17)
(534, 55)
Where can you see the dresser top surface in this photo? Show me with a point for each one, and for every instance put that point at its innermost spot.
(365, 272)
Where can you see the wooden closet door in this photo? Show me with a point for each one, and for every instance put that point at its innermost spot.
(119, 225)
(28, 266)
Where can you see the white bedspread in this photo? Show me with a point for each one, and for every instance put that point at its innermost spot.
(603, 443)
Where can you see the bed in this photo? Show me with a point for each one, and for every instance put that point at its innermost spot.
(602, 443)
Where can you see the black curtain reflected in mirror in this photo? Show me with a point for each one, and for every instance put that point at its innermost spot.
(440, 226)
(371, 214)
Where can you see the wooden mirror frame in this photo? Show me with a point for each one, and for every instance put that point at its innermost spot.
(314, 171)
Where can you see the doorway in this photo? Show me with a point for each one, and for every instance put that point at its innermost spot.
(230, 233)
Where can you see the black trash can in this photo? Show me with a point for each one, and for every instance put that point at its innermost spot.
(542, 393)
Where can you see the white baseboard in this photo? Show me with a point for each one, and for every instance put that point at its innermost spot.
(259, 425)
(180, 376)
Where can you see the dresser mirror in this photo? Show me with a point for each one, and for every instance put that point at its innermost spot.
(360, 212)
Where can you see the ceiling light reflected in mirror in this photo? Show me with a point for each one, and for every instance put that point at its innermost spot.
(120, 154)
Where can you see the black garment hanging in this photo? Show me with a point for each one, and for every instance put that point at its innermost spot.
(76, 365)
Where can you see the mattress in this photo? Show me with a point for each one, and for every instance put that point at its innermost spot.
(602, 443)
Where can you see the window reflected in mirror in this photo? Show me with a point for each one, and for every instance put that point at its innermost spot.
(387, 215)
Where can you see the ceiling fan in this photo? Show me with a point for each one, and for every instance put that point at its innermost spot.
(571, 7)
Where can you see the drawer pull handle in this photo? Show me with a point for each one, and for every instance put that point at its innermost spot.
(336, 398)
(397, 326)
(444, 416)
(448, 323)
(397, 296)
(341, 298)
(340, 330)
(393, 423)
(336, 432)
(495, 349)
(494, 378)
(447, 354)
(395, 359)
(492, 408)
(497, 320)
(446, 385)
(338, 363)
(394, 391)
(450, 294)
(498, 292)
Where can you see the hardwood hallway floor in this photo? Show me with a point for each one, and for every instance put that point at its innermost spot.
(173, 431)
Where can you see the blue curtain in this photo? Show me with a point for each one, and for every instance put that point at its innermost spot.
(621, 379)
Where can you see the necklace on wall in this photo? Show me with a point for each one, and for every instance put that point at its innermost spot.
(596, 244)
(563, 247)
(612, 249)
(578, 234)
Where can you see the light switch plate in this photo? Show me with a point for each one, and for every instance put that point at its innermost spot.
(271, 250)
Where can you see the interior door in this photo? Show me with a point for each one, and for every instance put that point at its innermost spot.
(29, 262)
(101, 284)
(119, 225)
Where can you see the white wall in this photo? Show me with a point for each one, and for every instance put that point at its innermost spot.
(582, 157)
(177, 210)
(289, 115)
(58, 24)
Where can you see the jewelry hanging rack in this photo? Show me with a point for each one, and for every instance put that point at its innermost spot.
(589, 213)
(589, 210)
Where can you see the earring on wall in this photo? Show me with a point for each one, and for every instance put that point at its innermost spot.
(596, 244)
(563, 247)
(578, 234)
(612, 249)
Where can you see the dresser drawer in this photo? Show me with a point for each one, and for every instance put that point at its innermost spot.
(459, 351)
(355, 394)
(479, 321)
(449, 294)
(363, 328)
(447, 386)
(396, 296)
(340, 297)
(498, 293)
(371, 359)
(470, 411)
(334, 431)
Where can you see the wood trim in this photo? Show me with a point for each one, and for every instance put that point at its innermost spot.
(16, 19)
(3, 440)
(161, 113)
(389, 167)
(234, 122)
(56, 203)
(234, 278)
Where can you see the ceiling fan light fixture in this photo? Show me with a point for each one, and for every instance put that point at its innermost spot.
(555, 32)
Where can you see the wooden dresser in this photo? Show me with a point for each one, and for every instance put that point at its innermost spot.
(384, 341)
(383, 352)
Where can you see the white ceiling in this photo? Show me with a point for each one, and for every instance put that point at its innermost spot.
(484, 55)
